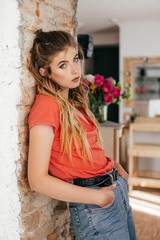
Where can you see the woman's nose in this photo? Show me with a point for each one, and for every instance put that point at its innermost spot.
(74, 69)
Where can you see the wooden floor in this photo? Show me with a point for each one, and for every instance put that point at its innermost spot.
(146, 211)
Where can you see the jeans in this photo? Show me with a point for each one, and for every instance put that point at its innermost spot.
(91, 222)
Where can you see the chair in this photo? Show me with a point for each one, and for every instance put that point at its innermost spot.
(147, 150)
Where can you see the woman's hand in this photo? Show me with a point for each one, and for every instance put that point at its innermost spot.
(106, 196)
(121, 170)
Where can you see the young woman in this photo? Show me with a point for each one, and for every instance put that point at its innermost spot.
(66, 160)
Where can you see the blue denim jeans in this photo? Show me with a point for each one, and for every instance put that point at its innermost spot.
(91, 222)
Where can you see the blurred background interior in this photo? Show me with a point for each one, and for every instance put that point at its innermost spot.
(121, 39)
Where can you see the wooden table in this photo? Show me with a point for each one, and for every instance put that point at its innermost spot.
(111, 133)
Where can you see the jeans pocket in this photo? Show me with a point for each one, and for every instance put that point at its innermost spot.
(95, 208)
(76, 222)
(109, 206)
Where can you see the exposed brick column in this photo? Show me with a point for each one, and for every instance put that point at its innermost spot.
(30, 216)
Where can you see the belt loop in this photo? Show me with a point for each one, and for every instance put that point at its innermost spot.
(112, 179)
(115, 174)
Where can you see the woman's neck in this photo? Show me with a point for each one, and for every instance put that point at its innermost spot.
(65, 93)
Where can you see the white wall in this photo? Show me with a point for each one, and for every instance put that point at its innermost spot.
(140, 38)
(9, 95)
(105, 38)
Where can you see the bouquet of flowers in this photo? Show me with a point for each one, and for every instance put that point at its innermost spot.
(104, 91)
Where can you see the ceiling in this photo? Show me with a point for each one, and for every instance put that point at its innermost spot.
(105, 15)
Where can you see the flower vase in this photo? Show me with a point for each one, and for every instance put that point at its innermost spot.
(103, 111)
(100, 111)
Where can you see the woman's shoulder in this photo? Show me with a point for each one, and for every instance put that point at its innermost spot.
(45, 110)
(45, 101)
(44, 98)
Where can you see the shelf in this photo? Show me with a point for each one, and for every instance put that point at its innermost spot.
(144, 182)
(148, 78)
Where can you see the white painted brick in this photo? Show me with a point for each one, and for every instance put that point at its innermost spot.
(10, 92)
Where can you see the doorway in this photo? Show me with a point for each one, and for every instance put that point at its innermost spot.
(106, 63)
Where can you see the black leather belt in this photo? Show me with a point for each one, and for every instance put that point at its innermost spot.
(103, 180)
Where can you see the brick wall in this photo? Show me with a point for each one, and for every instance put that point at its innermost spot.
(10, 64)
(25, 214)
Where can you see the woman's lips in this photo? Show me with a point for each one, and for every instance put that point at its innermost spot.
(75, 79)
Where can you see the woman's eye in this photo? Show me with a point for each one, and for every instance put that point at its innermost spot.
(76, 59)
(63, 65)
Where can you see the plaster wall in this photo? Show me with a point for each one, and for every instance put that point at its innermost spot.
(10, 65)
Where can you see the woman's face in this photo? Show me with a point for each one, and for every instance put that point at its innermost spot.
(66, 69)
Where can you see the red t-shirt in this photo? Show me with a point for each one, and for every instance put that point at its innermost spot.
(46, 111)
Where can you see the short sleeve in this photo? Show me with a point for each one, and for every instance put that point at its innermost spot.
(45, 111)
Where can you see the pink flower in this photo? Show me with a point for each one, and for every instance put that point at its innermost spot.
(106, 87)
(116, 92)
(99, 79)
(108, 98)
(111, 80)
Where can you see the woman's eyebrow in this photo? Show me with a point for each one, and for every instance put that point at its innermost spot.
(64, 61)
(76, 55)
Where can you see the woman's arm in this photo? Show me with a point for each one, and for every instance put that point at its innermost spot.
(121, 170)
(40, 144)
